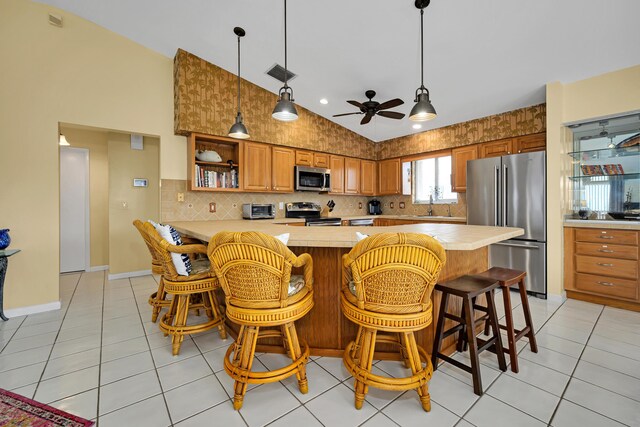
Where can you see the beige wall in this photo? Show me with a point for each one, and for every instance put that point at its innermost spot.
(127, 203)
(96, 142)
(607, 95)
(83, 74)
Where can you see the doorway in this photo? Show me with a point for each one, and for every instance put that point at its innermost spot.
(74, 209)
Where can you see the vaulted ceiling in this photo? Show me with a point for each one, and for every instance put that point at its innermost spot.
(481, 57)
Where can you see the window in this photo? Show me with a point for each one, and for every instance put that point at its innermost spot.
(433, 181)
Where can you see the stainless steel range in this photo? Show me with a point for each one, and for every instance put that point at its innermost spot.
(311, 213)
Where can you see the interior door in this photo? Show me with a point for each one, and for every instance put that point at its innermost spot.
(74, 202)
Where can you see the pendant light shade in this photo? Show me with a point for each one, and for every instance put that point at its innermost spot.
(285, 110)
(238, 129)
(62, 140)
(423, 110)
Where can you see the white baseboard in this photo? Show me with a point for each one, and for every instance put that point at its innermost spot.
(98, 268)
(32, 309)
(129, 274)
(557, 298)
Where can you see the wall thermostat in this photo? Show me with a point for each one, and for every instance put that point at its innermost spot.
(140, 182)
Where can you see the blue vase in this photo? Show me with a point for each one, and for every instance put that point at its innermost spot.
(5, 240)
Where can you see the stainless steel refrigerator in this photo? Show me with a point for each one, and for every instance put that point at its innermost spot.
(509, 191)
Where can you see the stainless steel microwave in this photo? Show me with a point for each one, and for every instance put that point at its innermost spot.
(312, 179)
(258, 211)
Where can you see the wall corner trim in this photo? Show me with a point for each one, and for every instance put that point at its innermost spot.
(32, 309)
(98, 268)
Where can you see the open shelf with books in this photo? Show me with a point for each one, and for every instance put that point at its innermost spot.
(214, 163)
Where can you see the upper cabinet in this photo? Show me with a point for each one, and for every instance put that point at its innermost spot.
(368, 181)
(321, 160)
(459, 158)
(351, 175)
(257, 173)
(210, 172)
(304, 158)
(282, 162)
(529, 143)
(336, 164)
(389, 177)
(501, 147)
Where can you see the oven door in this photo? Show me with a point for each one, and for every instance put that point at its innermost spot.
(312, 179)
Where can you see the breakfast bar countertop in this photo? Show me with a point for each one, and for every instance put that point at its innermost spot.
(458, 237)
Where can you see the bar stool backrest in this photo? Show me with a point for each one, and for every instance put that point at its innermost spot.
(156, 264)
(394, 272)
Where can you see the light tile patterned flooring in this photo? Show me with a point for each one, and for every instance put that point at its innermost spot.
(100, 357)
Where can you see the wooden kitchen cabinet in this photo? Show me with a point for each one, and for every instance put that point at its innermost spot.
(282, 162)
(321, 160)
(459, 158)
(368, 181)
(351, 175)
(501, 147)
(529, 143)
(304, 158)
(336, 164)
(602, 266)
(257, 169)
(389, 177)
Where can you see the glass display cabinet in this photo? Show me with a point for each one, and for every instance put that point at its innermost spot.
(606, 168)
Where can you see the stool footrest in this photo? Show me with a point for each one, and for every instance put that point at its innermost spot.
(454, 317)
(452, 330)
(455, 362)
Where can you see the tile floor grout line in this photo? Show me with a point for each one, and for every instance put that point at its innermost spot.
(101, 340)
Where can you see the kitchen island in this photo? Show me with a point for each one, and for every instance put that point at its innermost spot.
(325, 329)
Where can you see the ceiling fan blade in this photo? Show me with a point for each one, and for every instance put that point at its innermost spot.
(356, 104)
(391, 114)
(390, 104)
(347, 114)
(366, 119)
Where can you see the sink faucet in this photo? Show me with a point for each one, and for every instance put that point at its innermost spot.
(449, 208)
(430, 210)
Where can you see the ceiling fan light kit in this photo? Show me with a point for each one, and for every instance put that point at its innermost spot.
(423, 110)
(238, 129)
(285, 110)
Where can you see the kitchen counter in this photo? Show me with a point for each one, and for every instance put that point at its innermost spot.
(589, 223)
(427, 218)
(458, 237)
(325, 329)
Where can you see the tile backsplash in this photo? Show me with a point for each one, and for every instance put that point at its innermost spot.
(229, 205)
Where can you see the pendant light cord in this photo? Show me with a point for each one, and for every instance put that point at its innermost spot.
(421, 49)
(285, 44)
(238, 74)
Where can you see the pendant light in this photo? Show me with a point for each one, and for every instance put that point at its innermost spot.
(239, 130)
(285, 110)
(62, 140)
(423, 110)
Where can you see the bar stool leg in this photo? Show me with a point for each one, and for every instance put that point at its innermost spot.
(365, 361)
(527, 316)
(467, 308)
(493, 318)
(404, 350)
(439, 329)
(511, 336)
(295, 353)
(415, 364)
(244, 356)
(180, 319)
(160, 296)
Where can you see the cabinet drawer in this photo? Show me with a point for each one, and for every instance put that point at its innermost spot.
(607, 286)
(605, 250)
(609, 267)
(619, 237)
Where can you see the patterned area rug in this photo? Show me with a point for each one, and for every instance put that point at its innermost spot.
(18, 411)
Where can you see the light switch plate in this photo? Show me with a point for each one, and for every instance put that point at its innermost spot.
(212, 207)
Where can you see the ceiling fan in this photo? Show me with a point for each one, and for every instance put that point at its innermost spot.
(371, 108)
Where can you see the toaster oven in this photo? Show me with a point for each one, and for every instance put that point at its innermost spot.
(258, 211)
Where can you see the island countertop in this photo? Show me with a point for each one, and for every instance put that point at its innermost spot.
(459, 237)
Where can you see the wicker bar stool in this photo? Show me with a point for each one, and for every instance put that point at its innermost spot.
(200, 283)
(386, 291)
(506, 278)
(468, 288)
(254, 270)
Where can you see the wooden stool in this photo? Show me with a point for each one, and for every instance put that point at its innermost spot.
(387, 286)
(254, 270)
(506, 278)
(468, 288)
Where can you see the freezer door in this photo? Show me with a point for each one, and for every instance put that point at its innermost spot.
(483, 182)
(523, 183)
(520, 255)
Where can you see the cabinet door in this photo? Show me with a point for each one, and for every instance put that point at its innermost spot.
(304, 158)
(367, 177)
(498, 148)
(282, 162)
(336, 164)
(459, 158)
(320, 160)
(529, 143)
(389, 177)
(351, 175)
(257, 166)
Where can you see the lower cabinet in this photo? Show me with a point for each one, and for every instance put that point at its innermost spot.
(602, 266)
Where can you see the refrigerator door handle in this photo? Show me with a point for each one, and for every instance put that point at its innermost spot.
(513, 245)
(496, 185)
(504, 196)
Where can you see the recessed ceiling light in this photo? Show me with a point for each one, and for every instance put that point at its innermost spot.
(324, 101)
(417, 126)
